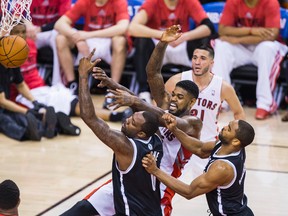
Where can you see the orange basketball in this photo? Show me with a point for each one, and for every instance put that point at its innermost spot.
(13, 51)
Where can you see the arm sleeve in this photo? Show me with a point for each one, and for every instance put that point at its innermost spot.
(64, 6)
(122, 10)
(228, 17)
(149, 6)
(272, 15)
(77, 10)
(196, 11)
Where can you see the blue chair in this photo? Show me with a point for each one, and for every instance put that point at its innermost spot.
(214, 11)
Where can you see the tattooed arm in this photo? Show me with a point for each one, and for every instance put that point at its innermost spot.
(153, 68)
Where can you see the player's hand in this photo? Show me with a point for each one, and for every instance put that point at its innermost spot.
(170, 121)
(86, 65)
(171, 34)
(120, 98)
(99, 74)
(149, 163)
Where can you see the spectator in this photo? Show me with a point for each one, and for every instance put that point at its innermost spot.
(53, 96)
(106, 23)
(147, 26)
(9, 198)
(248, 35)
(44, 14)
(19, 122)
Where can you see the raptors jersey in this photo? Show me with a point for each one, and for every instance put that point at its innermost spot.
(207, 109)
(207, 106)
(230, 199)
(136, 192)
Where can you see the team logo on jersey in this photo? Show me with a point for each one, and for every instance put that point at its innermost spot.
(213, 93)
(249, 15)
(102, 13)
(45, 3)
(150, 146)
(171, 16)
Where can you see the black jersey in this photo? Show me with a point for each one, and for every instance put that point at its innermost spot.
(230, 199)
(136, 192)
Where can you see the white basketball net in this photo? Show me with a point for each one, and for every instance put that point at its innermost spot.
(13, 12)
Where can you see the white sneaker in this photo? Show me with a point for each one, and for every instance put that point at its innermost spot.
(146, 96)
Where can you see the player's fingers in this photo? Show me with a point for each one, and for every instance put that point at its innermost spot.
(96, 62)
(91, 54)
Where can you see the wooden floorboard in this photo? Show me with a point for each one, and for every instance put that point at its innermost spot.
(55, 173)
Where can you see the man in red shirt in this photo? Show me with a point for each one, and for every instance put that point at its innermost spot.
(105, 25)
(147, 26)
(249, 33)
(44, 14)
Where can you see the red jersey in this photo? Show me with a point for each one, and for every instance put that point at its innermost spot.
(161, 17)
(265, 14)
(95, 17)
(29, 69)
(48, 11)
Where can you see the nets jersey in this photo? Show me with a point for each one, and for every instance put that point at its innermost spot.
(136, 192)
(207, 106)
(230, 199)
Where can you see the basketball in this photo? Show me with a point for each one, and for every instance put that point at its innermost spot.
(13, 51)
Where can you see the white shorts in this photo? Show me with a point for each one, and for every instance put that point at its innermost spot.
(102, 199)
(103, 49)
(57, 96)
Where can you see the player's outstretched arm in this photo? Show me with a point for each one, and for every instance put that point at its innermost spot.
(112, 138)
(123, 98)
(192, 144)
(220, 173)
(153, 68)
(105, 81)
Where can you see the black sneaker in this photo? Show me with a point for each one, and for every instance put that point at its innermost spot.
(32, 131)
(50, 120)
(74, 88)
(65, 126)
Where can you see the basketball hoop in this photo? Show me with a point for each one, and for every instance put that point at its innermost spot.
(12, 13)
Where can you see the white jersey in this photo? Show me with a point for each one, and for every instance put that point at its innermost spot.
(207, 109)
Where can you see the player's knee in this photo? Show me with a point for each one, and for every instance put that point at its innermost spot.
(119, 43)
(61, 42)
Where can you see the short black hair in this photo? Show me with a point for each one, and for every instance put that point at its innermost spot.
(189, 86)
(151, 123)
(9, 194)
(208, 48)
(245, 133)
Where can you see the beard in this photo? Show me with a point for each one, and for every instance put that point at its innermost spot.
(178, 112)
(222, 139)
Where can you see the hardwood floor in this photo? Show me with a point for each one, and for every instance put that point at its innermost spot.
(55, 173)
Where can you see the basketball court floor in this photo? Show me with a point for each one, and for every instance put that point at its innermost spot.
(54, 174)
